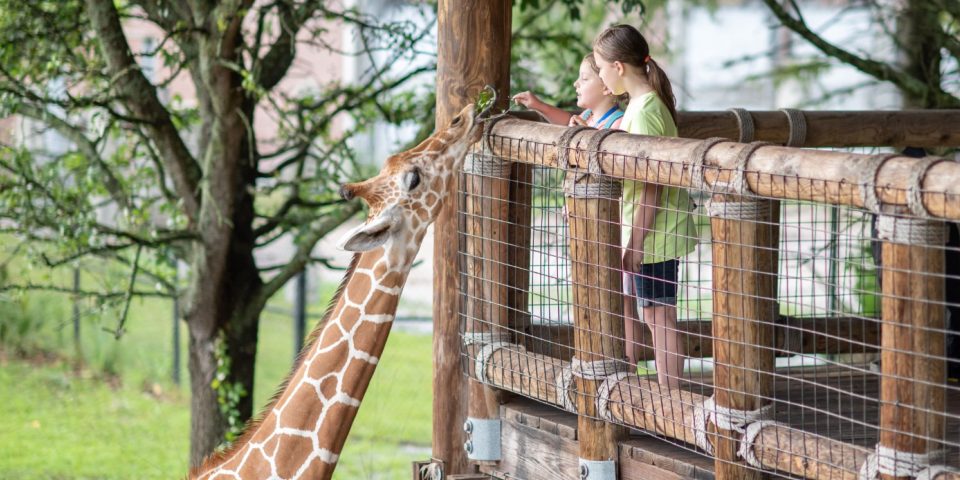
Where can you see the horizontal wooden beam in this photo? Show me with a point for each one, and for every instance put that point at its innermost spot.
(792, 335)
(772, 172)
(893, 128)
(641, 403)
(538, 442)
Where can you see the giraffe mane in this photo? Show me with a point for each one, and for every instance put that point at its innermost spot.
(254, 422)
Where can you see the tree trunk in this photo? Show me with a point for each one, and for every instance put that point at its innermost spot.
(207, 425)
(225, 287)
(239, 326)
(918, 44)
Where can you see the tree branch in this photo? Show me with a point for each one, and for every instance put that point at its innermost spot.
(277, 218)
(10, 287)
(141, 98)
(317, 230)
(881, 71)
(84, 144)
(273, 66)
(354, 100)
(118, 332)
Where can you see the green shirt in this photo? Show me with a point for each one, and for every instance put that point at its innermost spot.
(674, 232)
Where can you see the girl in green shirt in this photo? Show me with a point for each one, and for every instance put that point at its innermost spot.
(658, 225)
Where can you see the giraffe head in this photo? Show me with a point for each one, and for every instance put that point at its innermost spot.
(406, 196)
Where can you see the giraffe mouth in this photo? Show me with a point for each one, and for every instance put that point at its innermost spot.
(372, 233)
(484, 114)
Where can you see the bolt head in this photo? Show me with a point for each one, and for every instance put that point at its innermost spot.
(468, 426)
(584, 471)
(468, 446)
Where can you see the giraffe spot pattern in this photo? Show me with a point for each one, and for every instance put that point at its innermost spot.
(302, 435)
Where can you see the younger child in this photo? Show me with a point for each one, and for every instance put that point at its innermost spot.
(601, 108)
(658, 225)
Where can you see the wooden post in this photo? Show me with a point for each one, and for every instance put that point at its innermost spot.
(473, 50)
(520, 211)
(745, 243)
(486, 307)
(595, 257)
(912, 364)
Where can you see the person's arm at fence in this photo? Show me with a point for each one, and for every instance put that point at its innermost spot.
(554, 115)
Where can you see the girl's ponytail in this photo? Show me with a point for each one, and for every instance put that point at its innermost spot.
(625, 44)
(661, 84)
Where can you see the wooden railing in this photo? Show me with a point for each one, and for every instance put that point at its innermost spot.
(913, 198)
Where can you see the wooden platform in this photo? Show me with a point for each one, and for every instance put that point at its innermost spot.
(540, 441)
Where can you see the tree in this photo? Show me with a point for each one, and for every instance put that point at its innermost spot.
(923, 63)
(926, 61)
(144, 180)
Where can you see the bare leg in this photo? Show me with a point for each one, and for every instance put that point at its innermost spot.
(669, 352)
(632, 326)
(633, 337)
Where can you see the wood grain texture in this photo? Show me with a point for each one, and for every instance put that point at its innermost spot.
(899, 128)
(597, 311)
(792, 335)
(649, 457)
(486, 304)
(774, 172)
(530, 453)
(913, 369)
(837, 129)
(641, 403)
(745, 265)
(482, 28)
(520, 233)
(534, 450)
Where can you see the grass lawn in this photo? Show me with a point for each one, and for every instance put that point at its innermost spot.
(133, 422)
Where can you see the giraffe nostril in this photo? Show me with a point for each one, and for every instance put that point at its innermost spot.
(345, 192)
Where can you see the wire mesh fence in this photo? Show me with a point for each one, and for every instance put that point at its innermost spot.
(790, 332)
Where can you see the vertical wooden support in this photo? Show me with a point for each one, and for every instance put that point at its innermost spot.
(595, 257)
(912, 363)
(473, 50)
(518, 258)
(745, 242)
(486, 305)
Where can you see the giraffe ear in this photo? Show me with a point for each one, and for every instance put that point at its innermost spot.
(370, 235)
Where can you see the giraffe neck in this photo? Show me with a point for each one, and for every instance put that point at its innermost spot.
(303, 432)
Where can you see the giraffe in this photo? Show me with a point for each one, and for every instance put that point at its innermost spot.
(302, 431)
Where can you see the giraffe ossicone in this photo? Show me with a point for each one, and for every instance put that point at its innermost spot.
(302, 432)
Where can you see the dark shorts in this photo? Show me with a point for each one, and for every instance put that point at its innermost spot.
(656, 284)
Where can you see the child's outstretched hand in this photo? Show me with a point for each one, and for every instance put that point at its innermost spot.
(577, 120)
(527, 99)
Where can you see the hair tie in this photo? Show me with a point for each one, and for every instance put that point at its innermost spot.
(646, 59)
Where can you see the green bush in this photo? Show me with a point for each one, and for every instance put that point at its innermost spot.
(23, 319)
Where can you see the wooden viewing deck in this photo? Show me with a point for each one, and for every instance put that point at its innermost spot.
(540, 441)
(760, 421)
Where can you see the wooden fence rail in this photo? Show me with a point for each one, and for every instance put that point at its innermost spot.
(912, 197)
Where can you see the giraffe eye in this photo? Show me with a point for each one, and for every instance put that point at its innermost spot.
(456, 121)
(411, 179)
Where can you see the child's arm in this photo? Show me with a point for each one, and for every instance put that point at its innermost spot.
(643, 218)
(553, 114)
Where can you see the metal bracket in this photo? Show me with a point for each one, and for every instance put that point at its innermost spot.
(483, 439)
(598, 469)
